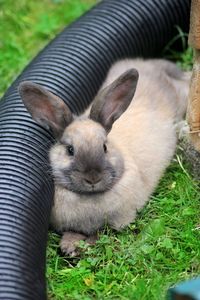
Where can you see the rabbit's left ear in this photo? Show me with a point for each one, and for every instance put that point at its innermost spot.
(46, 109)
(112, 101)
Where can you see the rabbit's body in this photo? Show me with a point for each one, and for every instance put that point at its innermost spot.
(94, 187)
(145, 136)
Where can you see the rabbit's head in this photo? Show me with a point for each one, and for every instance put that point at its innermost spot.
(83, 160)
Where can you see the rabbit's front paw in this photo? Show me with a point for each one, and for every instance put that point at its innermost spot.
(69, 243)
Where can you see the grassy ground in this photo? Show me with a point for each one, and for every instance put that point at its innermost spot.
(163, 245)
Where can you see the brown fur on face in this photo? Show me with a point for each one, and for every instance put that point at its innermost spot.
(90, 169)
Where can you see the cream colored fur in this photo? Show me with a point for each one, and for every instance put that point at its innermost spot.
(144, 138)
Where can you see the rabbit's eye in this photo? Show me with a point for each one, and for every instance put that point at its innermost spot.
(105, 148)
(70, 150)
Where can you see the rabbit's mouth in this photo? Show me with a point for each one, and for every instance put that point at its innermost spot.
(89, 189)
(88, 193)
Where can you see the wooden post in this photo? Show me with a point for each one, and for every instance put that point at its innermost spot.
(193, 111)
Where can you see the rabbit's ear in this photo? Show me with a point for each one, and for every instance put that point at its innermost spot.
(112, 101)
(46, 108)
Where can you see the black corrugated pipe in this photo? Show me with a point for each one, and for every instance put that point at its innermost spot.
(73, 67)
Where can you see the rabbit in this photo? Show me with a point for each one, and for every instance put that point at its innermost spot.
(107, 162)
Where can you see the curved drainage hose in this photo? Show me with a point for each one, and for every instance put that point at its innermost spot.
(72, 66)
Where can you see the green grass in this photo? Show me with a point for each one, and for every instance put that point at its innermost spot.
(162, 246)
(27, 26)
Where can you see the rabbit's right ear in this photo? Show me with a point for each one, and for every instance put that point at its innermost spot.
(112, 101)
(46, 108)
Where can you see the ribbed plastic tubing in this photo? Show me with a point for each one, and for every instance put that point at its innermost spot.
(73, 66)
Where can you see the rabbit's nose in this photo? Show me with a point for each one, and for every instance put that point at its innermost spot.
(92, 178)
